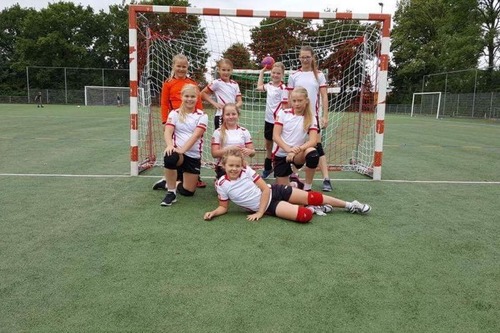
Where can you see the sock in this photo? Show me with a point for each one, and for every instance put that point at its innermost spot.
(348, 205)
(307, 187)
(174, 191)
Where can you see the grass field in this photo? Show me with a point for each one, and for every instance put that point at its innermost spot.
(86, 248)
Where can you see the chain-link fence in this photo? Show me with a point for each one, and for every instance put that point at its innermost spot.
(61, 85)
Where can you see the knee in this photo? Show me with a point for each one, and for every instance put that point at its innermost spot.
(182, 191)
(314, 198)
(312, 159)
(304, 215)
(170, 161)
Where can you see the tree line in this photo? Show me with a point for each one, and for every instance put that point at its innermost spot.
(428, 36)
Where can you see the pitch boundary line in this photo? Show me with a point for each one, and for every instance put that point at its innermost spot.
(210, 177)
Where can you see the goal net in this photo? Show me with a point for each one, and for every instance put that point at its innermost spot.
(426, 104)
(102, 95)
(352, 51)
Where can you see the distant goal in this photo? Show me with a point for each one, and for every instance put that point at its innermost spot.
(426, 103)
(352, 50)
(103, 95)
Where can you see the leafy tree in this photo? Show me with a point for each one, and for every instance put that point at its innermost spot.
(489, 11)
(62, 34)
(280, 38)
(11, 19)
(239, 55)
(424, 43)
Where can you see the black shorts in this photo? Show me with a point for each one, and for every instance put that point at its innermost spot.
(268, 131)
(278, 193)
(282, 168)
(190, 165)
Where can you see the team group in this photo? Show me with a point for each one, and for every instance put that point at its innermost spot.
(293, 122)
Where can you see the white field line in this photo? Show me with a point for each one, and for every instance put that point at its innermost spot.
(211, 177)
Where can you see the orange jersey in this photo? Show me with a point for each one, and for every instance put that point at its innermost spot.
(171, 96)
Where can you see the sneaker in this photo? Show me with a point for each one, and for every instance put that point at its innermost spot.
(201, 184)
(169, 199)
(322, 210)
(266, 174)
(327, 185)
(358, 207)
(293, 178)
(160, 185)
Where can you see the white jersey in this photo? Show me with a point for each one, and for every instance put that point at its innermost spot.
(276, 97)
(225, 92)
(308, 80)
(242, 191)
(292, 133)
(239, 137)
(183, 130)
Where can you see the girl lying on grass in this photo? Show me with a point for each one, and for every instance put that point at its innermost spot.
(243, 186)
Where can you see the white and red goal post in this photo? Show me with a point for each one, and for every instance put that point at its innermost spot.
(352, 51)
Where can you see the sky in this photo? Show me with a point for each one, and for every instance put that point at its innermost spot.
(358, 6)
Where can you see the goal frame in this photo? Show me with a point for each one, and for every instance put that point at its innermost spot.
(426, 93)
(110, 88)
(380, 100)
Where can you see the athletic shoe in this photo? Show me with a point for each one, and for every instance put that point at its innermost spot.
(169, 199)
(327, 185)
(266, 174)
(160, 185)
(293, 178)
(201, 184)
(322, 210)
(358, 207)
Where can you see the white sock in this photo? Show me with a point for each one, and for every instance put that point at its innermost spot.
(307, 186)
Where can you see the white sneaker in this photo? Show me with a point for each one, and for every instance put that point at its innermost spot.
(321, 210)
(358, 207)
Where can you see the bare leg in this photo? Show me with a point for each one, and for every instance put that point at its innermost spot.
(189, 181)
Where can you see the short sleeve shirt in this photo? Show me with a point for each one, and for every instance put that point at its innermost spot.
(183, 130)
(242, 191)
(239, 137)
(276, 97)
(292, 133)
(225, 92)
(311, 84)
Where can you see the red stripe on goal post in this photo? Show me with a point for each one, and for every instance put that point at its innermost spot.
(133, 88)
(134, 153)
(311, 15)
(134, 123)
(178, 10)
(211, 11)
(377, 162)
(244, 12)
(384, 62)
(277, 13)
(380, 126)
